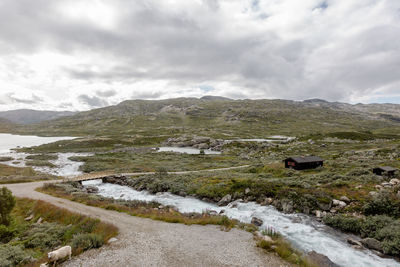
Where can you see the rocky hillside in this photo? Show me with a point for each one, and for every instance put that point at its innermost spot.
(6, 126)
(221, 118)
(28, 116)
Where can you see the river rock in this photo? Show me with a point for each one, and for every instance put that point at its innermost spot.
(345, 199)
(268, 201)
(92, 189)
(225, 200)
(256, 221)
(318, 213)
(352, 241)
(394, 181)
(247, 191)
(320, 260)
(372, 243)
(287, 206)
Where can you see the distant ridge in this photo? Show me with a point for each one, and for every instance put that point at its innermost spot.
(215, 98)
(29, 116)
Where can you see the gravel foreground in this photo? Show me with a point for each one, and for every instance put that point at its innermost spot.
(145, 242)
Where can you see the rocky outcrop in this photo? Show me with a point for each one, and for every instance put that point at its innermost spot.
(200, 142)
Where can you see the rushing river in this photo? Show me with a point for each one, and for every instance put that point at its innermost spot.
(63, 166)
(303, 231)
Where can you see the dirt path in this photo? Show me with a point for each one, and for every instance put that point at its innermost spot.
(144, 242)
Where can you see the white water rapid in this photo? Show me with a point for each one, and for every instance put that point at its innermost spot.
(302, 231)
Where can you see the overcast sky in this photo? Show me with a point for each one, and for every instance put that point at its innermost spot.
(76, 55)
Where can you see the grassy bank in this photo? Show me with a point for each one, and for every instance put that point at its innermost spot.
(38, 227)
(9, 175)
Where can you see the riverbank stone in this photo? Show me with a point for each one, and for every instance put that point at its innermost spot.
(225, 200)
(257, 221)
(372, 243)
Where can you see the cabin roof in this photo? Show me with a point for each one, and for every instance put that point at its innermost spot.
(305, 159)
(386, 168)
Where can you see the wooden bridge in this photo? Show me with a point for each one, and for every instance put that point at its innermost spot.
(100, 175)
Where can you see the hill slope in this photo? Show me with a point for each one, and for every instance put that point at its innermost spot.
(28, 116)
(224, 118)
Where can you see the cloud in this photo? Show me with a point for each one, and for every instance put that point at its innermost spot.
(336, 50)
(24, 99)
(93, 101)
(106, 93)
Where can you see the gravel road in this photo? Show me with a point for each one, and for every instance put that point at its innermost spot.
(145, 242)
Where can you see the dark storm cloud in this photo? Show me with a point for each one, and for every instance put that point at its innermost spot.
(93, 101)
(297, 56)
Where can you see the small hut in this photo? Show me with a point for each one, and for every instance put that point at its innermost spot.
(301, 163)
(385, 170)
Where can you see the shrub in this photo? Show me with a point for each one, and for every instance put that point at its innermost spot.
(383, 204)
(13, 256)
(6, 234)
(45, 236)
(87, 241)
(372, 224)
(7, 203)
(344, 223)
(390, 238)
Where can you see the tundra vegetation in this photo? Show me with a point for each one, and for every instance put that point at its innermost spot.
(9, 175)
(344, 193)
(34, 228)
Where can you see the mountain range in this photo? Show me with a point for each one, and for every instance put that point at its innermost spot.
(219, 117)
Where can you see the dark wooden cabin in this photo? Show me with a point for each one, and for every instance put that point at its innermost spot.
(302, 163)
(385, 170)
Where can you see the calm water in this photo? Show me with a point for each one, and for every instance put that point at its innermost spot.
(64, 166)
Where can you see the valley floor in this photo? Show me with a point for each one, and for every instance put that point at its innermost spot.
(145, 242)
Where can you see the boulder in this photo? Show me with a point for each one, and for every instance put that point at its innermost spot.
(268, 201)
(320, 260)
(386, 184)
(40, 220)
(225, 200)
(318, 213)
(345, 199)
(373, 193)
(394, 181)
(247, 191)
(256, 221)
(372, 243)
(378, 187)
(287, 206)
